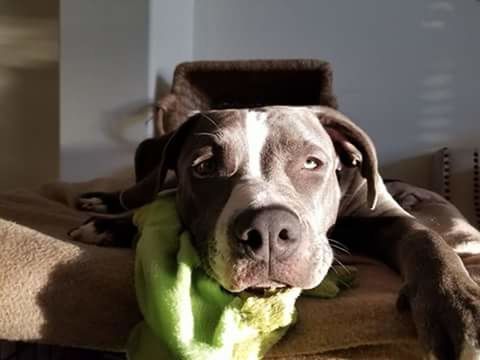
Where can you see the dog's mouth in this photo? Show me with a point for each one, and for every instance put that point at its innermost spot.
(260, 290)
(265, 289)
(263, 292)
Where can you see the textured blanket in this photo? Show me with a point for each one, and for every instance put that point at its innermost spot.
(59, 292)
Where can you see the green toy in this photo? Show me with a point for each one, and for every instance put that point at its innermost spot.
(187, 315)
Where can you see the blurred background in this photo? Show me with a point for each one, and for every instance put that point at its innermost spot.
(77, 77)
(29, 93)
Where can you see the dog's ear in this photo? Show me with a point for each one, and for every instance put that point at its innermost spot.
(172, 146)
(161, 153)
(153, 159)
(149, 155)
(353, 146)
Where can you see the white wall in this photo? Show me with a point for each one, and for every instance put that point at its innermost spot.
(103, 84)
(407, 71)
(116, 57)
(171, 41)
(404, 70)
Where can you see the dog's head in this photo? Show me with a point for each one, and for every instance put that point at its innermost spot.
(259, 190)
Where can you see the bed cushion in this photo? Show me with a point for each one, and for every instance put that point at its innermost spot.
(205, 85)
(63, 293)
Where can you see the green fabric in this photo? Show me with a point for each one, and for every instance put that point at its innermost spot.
(187, 315)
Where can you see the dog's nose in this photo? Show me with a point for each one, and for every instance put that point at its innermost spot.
(268, 233)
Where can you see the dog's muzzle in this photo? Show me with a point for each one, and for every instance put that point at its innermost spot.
(268, 234)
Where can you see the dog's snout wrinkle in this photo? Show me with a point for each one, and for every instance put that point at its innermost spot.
(269, 234)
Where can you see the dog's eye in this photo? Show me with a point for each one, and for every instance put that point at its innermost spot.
(205, 168)
(312, 163)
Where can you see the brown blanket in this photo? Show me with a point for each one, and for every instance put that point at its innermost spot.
(58, 292)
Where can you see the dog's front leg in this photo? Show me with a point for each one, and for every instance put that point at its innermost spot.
(134, 197)
(150, 176)
(443, 299)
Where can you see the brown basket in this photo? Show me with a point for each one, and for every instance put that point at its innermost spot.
(204, 85)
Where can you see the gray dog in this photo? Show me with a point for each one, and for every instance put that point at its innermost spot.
(263, 190)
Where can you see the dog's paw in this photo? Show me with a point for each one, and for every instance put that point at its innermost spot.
(447, 317)
(94, 204)
(118, 232)
(100, 202)
(91, 233)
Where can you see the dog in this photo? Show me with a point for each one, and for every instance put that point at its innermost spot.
(264, 190)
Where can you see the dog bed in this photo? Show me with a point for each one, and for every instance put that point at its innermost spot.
(204, 85)
(58, 292)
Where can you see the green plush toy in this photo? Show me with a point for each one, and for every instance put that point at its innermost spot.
(187, 315)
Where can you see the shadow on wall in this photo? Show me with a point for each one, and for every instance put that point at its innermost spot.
(127, 125)
(28, 92)
(124, 127)
(100, 160)
(162, 87)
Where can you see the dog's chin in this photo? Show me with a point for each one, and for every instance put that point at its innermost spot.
(320, 272)
(243, 275)
(263, 285)
(269, 286)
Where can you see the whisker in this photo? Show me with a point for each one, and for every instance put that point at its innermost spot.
(339, 248)
(334, 270)
(335, 241)
(345, 284)
(338, 245)
(342, 265)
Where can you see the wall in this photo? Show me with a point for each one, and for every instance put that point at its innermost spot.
(170, 39)
(117, 56)
(28, 92)
(103, 83)
(406, 71)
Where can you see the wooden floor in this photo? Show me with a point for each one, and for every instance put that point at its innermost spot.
(25, 351)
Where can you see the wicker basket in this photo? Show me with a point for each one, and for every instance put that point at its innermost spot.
(204, 85)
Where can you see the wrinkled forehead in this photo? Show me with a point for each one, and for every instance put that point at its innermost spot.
(276, 124)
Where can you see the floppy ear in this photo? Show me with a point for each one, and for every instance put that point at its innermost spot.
(149, 155)
(153, 159)
(353, 145)
(172, 148)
